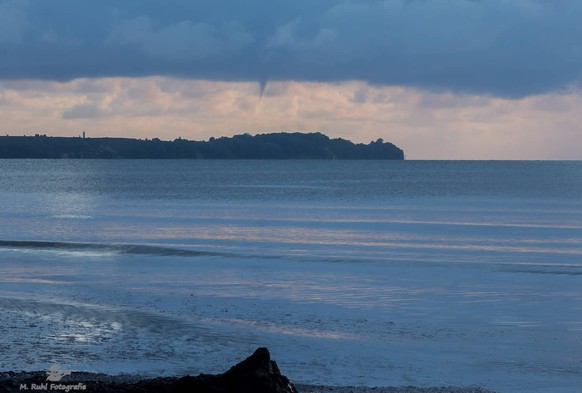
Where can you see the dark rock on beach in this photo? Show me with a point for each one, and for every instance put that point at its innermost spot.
(257, 374)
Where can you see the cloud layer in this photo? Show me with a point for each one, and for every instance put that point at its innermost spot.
(499, 47)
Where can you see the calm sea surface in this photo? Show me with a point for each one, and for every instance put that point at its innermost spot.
(351, 272)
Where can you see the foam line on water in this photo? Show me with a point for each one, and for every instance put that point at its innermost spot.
(118, 248)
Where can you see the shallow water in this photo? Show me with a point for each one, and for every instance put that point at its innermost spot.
(352, 273)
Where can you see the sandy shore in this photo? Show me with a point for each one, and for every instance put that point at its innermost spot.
(11, 382)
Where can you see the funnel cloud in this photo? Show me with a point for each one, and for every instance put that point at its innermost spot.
(262, 87)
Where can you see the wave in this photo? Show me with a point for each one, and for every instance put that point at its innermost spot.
(99, 247)
(400, 260)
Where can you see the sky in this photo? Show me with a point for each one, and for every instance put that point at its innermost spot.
(442, 79)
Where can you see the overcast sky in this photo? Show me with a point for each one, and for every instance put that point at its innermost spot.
(440, 78)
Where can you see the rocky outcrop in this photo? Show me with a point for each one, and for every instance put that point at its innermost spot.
(257, 374)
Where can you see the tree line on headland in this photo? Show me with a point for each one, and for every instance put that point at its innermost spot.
(281, 145)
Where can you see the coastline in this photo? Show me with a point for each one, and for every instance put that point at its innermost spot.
(279, 145)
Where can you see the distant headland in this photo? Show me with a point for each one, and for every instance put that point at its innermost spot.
(280, 145)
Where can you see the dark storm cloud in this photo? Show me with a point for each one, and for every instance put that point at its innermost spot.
(509, 48)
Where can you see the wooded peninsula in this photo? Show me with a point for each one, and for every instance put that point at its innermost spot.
(281, 145)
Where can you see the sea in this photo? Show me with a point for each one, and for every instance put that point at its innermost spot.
(352, 273)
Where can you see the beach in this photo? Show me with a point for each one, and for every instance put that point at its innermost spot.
(10, 382)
